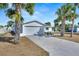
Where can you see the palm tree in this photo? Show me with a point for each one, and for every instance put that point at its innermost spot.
(29, 7)
(72, 16)
(63, 16)
(17, 14)
(61, 12)
(65, 10)
(10, 13)
(22, 21)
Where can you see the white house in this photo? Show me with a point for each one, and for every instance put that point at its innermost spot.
(3, 30)
(77, 29)
(35, 28)
(48, 29)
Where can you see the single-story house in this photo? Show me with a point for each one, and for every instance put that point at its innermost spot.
(3, 30)
(76, 29)
(35, 28)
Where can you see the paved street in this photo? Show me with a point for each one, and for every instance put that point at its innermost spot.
(55, 46)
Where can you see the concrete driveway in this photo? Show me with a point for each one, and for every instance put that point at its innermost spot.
(55, 46)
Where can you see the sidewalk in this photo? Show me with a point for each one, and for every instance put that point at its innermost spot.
(55, 46)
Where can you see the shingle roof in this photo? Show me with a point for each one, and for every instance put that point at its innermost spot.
(34, 21)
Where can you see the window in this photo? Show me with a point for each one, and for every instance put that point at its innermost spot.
(47, 28)
(52, 28)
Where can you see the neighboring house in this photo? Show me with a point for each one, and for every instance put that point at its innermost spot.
(48, 29)
(77, 29)
(35, 28)
(3, 30)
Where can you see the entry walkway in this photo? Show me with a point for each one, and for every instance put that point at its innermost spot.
(55, 46)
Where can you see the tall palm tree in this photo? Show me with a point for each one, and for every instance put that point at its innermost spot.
(65, 10)
(62, 15)
(29, 7)
(21, 25)
(10, 13)
(72, 16)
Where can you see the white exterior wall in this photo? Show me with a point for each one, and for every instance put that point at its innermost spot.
(32, 29)
(77, 29)
(49, 30)
(3, 30)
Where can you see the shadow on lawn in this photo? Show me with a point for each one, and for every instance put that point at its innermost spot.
(66, 34)
(7, 39)
(56, 35)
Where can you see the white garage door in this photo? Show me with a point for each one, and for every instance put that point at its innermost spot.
(31, 30)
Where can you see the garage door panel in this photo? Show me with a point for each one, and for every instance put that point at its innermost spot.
(31, 30)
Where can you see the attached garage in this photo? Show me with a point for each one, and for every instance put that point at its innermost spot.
(33, 28)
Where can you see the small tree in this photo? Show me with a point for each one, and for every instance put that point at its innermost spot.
(10, 24)
(48, 23)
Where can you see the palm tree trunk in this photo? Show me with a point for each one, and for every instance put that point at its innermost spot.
(17, 31)
(21, 26)
(72, 27)
(17, 24)
(63, 27)
(20, 20)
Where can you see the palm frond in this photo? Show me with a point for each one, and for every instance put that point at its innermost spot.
(29, 7)
(3, 5)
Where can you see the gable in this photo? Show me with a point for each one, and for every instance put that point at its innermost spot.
(33, 23)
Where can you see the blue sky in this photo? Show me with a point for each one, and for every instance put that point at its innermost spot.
(43, 12)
